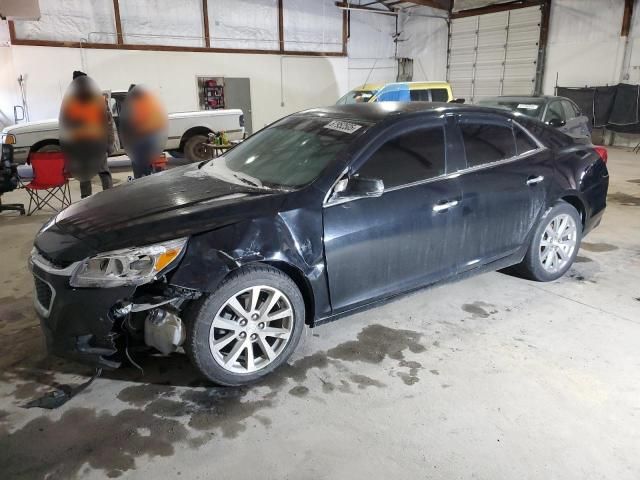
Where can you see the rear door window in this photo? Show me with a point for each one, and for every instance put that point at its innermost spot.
(407, 158)
(569, 110)
(524, 143)
(555, 112)
(419, 95)
(439, 95)
(486, 142)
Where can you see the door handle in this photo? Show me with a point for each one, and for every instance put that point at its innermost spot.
(440, 207)
(534, 180)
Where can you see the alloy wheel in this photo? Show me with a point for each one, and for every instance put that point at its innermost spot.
(251, 329)
(558, 243)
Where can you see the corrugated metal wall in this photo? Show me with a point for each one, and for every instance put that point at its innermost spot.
(494, 54)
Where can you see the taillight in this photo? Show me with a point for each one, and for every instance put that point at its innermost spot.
(602, 152)
(242, 120)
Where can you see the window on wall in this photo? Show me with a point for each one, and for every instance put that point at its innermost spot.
(304, 32)
(243, 25)
(246, 24)
(162, 22)
(408, 158)
(92, 22)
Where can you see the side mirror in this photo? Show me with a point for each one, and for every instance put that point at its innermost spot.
(358, 187)
(556, 122)
(457, 100)
(18, 117)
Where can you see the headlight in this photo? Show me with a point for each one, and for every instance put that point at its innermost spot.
(9, 138)
(130, 266)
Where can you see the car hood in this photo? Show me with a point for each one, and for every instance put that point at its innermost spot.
(43, 125)
(172, 204)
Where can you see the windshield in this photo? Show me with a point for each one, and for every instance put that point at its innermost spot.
(356, 96)
(529, 107)
(289, 154)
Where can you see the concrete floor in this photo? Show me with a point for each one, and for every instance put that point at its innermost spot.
(491, 378)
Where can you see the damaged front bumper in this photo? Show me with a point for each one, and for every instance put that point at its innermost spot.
(78, 324)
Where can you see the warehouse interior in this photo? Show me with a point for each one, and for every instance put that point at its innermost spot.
(485, 376)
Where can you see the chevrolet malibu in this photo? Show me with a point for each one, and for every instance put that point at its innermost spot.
(319, 215)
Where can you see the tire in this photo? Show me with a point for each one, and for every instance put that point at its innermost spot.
(538, 263)
(49, 147)
(215, 330)
(194, 149)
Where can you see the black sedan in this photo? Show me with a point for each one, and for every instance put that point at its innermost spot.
(558, 112)
(320, 214)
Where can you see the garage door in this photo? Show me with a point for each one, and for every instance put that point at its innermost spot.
(494, 54)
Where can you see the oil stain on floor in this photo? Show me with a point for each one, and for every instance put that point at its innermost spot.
(624, 199)
(159, 416)
(376, 342)
(598, 247)
(479, 309)
(57, 449)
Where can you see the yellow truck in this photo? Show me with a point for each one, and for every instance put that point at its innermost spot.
(399, 92)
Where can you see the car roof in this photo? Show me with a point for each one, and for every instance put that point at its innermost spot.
(524, 98)
(378, 111)
(411, 85)
(421, 85)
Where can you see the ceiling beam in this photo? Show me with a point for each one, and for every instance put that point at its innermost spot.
(116, 13)
(358, 8)
(496, 7)
(626, 18)
(440, 4)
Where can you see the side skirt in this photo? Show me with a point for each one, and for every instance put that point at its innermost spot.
(499, 264)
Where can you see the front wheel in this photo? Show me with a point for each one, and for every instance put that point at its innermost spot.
(554, 245)
(49, 147)
(247, 328)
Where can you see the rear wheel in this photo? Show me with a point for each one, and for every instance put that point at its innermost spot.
(247, 328)
(195, 150)
(554, 245)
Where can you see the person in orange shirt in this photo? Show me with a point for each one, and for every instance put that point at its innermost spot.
(144, 129)
(84, 136)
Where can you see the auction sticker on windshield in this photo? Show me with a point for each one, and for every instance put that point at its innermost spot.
(528, 106)
(344, 127)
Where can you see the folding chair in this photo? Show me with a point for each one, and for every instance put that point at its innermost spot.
(50, 178)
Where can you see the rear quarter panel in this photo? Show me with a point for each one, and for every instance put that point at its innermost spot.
(582, 173)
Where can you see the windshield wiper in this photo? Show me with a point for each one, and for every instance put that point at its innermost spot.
(247, 181)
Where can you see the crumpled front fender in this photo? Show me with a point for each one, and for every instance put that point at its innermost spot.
(292, 238)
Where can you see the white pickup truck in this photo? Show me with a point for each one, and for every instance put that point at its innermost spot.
(186, 133)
